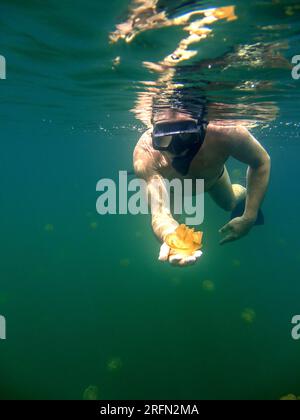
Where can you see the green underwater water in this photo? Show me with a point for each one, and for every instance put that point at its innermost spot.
(87, 303)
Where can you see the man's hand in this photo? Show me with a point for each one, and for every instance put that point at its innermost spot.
(178, 259)
(236, 229)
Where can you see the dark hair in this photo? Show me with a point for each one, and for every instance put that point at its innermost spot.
(183, 102)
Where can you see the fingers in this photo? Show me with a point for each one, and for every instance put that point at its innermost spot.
(178, 260)
(229, 233)
(198, 254)
(228, 238)
(227, 228)
(188, 261)
(184, 261)
(164, 253)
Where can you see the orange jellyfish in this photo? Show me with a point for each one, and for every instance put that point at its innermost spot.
(184, 241)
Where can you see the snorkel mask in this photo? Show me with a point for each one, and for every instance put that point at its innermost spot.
(176, 137)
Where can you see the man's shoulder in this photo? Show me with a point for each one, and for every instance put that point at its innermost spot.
(225, 131)
(144, 140)
(144, 156)
(143, 146)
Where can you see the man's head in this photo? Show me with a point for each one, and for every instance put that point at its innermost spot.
(170, 114)
(175, 132)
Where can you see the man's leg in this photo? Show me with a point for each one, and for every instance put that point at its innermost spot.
(226, 195)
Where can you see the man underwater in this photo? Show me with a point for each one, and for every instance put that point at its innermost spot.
(182, 147)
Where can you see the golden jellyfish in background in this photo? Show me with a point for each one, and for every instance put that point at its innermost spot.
(49, 228)
(290, 397)
(236, 263)
(208, 286)
(176, 280)
(93, 225)
(114, 364)
(91, 393)
(125, 262)
(291, 10)
(248, 316)
(282, 242)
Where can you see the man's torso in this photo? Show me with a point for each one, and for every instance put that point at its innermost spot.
(208, 164)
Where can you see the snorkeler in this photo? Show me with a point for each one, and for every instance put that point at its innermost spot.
(179, 146)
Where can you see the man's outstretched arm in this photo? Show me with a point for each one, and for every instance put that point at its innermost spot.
(163, 223)
(245, 148)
